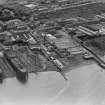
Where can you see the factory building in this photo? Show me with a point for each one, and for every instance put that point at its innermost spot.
(87, 31)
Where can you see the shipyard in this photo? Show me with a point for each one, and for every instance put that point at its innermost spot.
(45, 36)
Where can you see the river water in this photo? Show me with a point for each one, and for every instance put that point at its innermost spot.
(85, 86)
